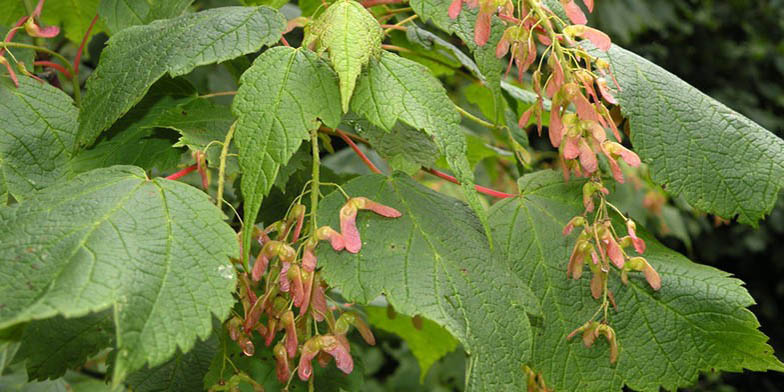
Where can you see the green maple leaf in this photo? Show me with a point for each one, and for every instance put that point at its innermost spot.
(404, 148)
(183, 372)
(135, 58)
(132, 140)
(696, 322)
(435, 261)
(281, 99)
(36, 135)
(121, 14)
(154, 251)
(50, 347)
(490, 67)
(428, 344)
(203, 126)
(395, 89)
(352, 36)
(718, 160)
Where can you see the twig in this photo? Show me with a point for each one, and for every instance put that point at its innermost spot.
(475, 119)
(78, 58)
(218, 94)
(393, 27)
(222, 167)
(181, 173)
(347, 137)
(371, 3)
(55, 66)
(479, 188)
(359, 152)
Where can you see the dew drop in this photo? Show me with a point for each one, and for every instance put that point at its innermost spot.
(226, 271)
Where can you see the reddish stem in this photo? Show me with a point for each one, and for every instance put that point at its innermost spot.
(13, 31)
(284, 42)
(38, 8)
(374, 169)
(371, 3)
(78, 58)
(182, 172)
(359, 152)
(479, 188)
(56, 66)
(509, 18)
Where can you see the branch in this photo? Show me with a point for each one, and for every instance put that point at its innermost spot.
(371, 3)
(181, 173)
(479, 188)
(55, 66)
(78, 58)
(359, 152)
(347, 138)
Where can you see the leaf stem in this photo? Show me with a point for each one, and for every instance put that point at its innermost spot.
(218, 94)
(181, 173)
(390, 27)
(359, 152)
(479, 188)
(78, 58)
(371, 3)
(55, 66)
(475, 119)
(222, 167)
(399, 25)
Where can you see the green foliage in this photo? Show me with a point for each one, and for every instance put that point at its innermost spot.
(428, 343)
(411, 95)
(36, 135)
(405, 148)
(434, 261)
(295, 89)
(109, 272)
(74, 16)
(168, 48)
(137, 235)
(720, 161)
(698, 320)
(352, 36)
(51, 346)
(121, 14)
(183, 372)
(133, 140)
